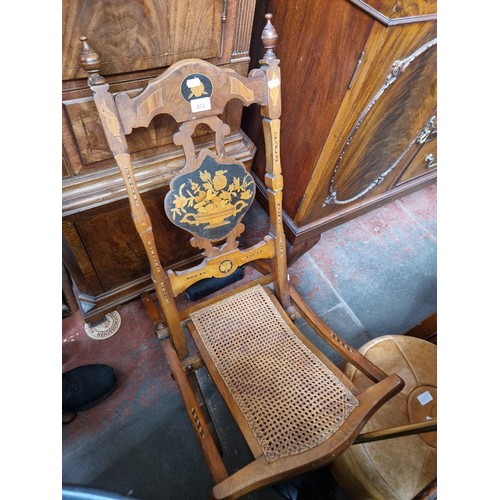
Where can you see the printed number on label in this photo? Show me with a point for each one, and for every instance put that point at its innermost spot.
(202, 104)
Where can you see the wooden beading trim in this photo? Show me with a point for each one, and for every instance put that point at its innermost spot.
(243, 29)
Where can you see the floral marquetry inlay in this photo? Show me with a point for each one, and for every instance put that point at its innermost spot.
(210, 201)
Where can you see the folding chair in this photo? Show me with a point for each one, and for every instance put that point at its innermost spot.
(294, 407)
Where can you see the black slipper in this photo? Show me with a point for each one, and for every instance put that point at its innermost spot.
(86, 386)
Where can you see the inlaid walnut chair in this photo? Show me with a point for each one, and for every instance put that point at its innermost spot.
(295, 408)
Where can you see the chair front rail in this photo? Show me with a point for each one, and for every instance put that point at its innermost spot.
(260, 472)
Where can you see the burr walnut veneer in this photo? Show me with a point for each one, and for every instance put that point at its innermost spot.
(359, 113)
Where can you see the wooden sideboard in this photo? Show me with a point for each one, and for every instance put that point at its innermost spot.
(359, 114)
(136, 41)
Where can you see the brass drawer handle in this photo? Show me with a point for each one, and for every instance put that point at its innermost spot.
(429, 128)
(430, 161)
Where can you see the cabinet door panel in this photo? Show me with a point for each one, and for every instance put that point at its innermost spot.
(387, 130)
(116, 251)
(132, 35)
(319, 49)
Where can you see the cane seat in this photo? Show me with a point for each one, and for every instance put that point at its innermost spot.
(289, 398)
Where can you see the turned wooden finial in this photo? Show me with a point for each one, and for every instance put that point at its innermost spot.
(90, 61)
(269, 37)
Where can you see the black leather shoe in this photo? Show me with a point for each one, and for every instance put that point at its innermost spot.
(85, 386)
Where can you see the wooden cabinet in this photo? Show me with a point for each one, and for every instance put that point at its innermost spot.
(359, 115)
(136, 41)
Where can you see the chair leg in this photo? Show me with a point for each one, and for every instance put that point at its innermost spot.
(157, 319)
(198, 393)
(207, 444)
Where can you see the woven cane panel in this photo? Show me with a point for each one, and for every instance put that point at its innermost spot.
(290, 399)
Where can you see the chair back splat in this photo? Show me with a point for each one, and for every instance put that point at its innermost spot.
(295, 408)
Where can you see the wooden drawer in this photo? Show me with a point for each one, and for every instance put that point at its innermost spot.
(424, 161)
(154, 33)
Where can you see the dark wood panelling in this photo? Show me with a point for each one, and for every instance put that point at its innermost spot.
(116, 250)
(78, 261)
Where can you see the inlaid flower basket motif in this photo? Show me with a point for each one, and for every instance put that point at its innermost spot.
(210, 201)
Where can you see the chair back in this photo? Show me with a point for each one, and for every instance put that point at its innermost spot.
(211, 193)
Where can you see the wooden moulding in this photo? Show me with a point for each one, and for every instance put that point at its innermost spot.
(426, 329)
(394, 21)
(95, 189)
(299, 234)
(304, 236)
